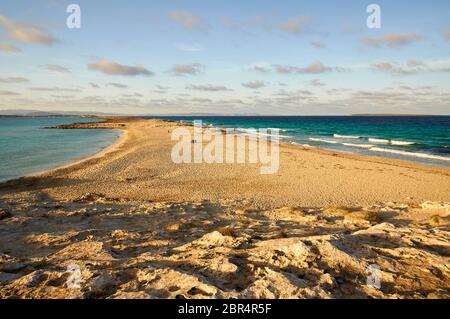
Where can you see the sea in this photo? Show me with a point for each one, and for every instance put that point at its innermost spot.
(424, 139)
(27, 146)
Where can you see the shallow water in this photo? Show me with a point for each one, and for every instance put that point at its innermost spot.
(27, 147)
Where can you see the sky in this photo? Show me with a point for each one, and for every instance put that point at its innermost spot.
(231, 57)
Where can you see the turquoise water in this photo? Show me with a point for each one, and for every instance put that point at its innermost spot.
(424, 139)
(27, 147)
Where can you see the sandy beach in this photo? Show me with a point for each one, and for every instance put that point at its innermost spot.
(140, 226)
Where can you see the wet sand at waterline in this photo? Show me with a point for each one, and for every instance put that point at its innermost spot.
(141, 226)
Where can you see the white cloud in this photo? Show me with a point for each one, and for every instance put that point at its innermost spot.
(260, 67)
(392, 40)
(13, 79)
(208, 88)
(114, 68)
(186, 69)
(411, 66)
(56, 68)
(8, 48)
(53, 89)
(9, 93)
(313, 68)
(254, 84)
(26, 33)
(117, 85)
(316, 83)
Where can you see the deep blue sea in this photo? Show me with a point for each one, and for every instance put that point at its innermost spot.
(27, 147)
(424, 139)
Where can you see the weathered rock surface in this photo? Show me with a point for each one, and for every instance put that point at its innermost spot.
(124, 249)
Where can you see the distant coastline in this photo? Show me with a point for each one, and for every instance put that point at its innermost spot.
(38, 113)
(393, 115)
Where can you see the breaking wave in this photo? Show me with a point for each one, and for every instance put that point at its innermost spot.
(401, 143)
(322, 140)
(358, 145)
(399, 152)
(346, 136)
(378, 140)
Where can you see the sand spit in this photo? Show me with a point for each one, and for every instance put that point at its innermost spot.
(138, 226)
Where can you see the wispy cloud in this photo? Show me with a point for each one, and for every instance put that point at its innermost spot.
(200, 100)
(208, 88)
(189, 21)
(133, 95)
(117, 85)
(261, 68)
(313, 68)
(254, 84)
(56, 68)
(186, 69)
(392, 40)
(63, 96)
(53, 89)
(295, 25)
(8, 48)
(114, 68)
(14, 79)
(25, 33)
(411, 66)
(94, 85)
(9, 93)
(316, 83)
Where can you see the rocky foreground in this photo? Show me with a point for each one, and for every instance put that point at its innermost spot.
(128, 249)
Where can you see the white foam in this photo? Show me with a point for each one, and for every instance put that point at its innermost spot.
(302, 145)
(401, 143)
(276, 129)
(346, 136)
(256, 133)
(322, 140)
(421, 155)
(358, 145)
(378, 140)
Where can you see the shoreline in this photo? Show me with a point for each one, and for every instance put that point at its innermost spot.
(354, 155)
(118, 141)
(322, 177)
(115, 144)
(104, 121)
(429, 160)
(340, 153)
(109, 122)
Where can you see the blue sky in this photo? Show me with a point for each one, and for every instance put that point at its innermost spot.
(226, 57)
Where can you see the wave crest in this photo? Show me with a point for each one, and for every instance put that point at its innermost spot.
(346, 136)
(399, 152)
